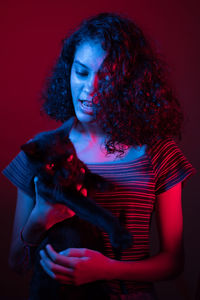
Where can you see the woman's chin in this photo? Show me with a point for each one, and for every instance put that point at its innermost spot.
(84, 118)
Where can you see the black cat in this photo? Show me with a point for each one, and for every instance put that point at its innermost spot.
(63, 178)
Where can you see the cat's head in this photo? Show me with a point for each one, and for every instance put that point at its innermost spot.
(54, 158)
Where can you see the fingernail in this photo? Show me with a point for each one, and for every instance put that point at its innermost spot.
(35, 179)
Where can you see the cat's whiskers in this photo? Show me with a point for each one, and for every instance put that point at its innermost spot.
(56, 191)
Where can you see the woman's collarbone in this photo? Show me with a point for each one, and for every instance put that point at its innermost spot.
(96, 154)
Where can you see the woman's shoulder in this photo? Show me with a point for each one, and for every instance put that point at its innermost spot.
(164, 151)
(170, 166)
(161, 146)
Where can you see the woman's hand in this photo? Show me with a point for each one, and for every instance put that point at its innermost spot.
(75, 265)
(50, 213)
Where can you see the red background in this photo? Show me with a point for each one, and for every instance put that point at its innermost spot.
(31, 32)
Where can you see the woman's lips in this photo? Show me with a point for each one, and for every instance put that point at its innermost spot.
(86, 106)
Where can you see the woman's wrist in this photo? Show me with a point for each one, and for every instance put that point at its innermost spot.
(111, 272)
(34, 229)
(26, 243)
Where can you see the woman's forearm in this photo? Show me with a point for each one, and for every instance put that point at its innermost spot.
(33, 231)
(42, 216)
(159, 267)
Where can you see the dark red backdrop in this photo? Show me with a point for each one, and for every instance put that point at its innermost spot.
(31, 32)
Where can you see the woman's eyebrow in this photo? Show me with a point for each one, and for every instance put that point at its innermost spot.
(79, 63)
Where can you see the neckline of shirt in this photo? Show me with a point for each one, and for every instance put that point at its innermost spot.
(115, 163)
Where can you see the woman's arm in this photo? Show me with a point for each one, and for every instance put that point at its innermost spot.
(80, 266)
(32, 218)
(170, 260)
(24, 207)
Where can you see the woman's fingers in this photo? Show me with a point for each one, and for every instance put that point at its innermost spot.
(35, 182)
(54, 270)
(75, 252)
(68, 258)
(46, 269)
(65, 261)
(75, 265)
(59, 277)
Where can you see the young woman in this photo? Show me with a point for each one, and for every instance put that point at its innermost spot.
(125, 118)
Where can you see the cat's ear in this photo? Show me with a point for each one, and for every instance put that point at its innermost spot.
(67, 140)
(31, 148)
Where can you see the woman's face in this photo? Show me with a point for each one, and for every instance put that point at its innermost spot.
(87, 60)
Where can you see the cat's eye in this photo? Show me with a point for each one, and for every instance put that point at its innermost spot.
(70, 158)
(50, 166)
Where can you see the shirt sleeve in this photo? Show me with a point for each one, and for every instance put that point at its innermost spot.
(170, 165)
(20, 173)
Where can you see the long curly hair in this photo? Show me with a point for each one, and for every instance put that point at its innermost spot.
(133, 102)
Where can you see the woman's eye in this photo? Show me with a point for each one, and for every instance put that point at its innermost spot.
(83, 74)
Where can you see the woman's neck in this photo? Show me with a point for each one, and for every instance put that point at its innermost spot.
(89, 131)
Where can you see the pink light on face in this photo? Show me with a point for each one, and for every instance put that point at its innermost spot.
(88, 59)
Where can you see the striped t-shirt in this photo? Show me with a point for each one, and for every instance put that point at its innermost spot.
(136, 184)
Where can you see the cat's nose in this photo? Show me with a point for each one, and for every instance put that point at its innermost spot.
(65, 173)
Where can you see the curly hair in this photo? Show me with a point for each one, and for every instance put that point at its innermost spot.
(136, 105)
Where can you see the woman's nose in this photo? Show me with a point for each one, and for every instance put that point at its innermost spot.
(90, 85)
